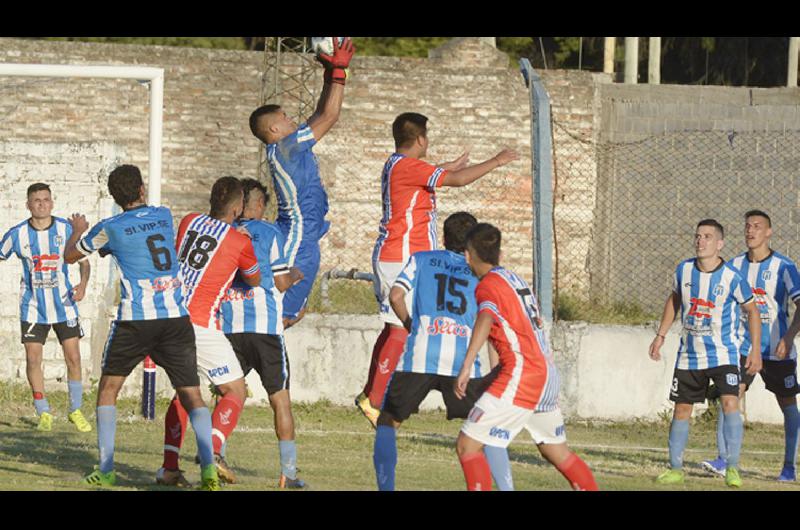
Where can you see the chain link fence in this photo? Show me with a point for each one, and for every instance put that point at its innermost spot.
(625, 212)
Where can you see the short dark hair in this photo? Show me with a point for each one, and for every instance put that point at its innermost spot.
(407, 127)
(484, 240)
(224, 192)
(124, 183)
(256, 114)
(38, 186)
(249, 185)
(759, 213)
(715, 224)
(456, 228)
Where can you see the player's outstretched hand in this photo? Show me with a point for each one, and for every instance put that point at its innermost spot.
(655, 348)
(342, 53)
(753, 364)
(459, 163)
(506, 156)
(460, 384)
(79, 223)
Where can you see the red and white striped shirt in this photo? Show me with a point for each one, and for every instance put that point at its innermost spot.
(408, 224)
(528, 377)
(210, 252)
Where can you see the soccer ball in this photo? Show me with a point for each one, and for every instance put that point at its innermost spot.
(323, 45)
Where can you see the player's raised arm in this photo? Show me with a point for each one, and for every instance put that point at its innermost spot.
(468, 175)
(79, 226)
(667, 318)
(480, 333)
(330, 100)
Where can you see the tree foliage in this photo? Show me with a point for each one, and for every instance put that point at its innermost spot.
(733, 61)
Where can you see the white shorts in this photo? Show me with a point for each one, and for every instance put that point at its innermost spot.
(216, 359)
(495, 422)
(386, 272)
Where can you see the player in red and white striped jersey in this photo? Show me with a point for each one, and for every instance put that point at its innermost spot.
(525, 392)
(211, 252)
(408, 225)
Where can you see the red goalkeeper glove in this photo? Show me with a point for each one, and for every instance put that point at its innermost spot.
(336, 64)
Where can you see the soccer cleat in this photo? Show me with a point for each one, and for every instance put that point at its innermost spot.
(172, 477)
(98, 478)
(76, 417)
(209, 478)
(716, 466)
(45, 422)
(670, 476)
(787, 474)
(225, 473)
(286, 483)
(732, 478)
(366, 408)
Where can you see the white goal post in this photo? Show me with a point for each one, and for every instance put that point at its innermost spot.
(155, 76)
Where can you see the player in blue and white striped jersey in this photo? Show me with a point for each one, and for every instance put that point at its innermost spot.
(252, 320)
(151, 319)
(444, 311)
(48, 299)
(775, 281)
(710, 293)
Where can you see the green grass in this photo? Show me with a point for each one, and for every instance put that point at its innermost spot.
(335, 451)
(572, 307)
(347, 297)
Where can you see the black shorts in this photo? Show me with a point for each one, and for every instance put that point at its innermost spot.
(69, 329)
(266, 354)
(779, 376)
(408, 389)
(169, 342)
(691, 386)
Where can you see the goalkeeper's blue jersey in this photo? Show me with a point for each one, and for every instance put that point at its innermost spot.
(443, 313)
(142, 242)
(45, 289)
(302, 201)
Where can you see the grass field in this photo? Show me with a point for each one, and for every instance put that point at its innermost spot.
(335, 451)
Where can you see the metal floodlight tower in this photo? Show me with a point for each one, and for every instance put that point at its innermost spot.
(289, 69)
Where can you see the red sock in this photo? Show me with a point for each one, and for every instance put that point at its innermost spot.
(387, 361)
(577, 474)
(174, 429)
(376, 351)
(476, 472)
(223, 420)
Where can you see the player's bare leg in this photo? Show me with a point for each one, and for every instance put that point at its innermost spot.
(473, 463)
(570, 465)
(35, 375)
(72, 358)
